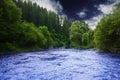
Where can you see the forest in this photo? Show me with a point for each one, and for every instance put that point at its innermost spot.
(25, 26)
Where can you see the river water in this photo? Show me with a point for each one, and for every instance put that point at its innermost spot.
(60, 64)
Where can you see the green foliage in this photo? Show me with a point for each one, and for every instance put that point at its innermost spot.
(77, 34)
(10, 17)
(61, 35)
(85, 39)
(107, 33)
(21, 32)
(90, 39)
(57, 26)
(8, 47)
(9, 12)
(48, 39)
(16, 35)
(30, 36)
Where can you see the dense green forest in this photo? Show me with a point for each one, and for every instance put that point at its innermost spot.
(107, 33)
(26, 26)
(58, 27)
(80, 35)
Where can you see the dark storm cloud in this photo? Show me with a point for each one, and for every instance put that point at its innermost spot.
(91, 11)
(89, 8)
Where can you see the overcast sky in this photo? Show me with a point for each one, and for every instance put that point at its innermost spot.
(91, 11)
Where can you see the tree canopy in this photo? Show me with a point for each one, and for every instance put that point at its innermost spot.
(27, 26)
(78, 34)
(107, 33)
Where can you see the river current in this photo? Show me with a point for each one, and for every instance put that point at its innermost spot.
(60, 64)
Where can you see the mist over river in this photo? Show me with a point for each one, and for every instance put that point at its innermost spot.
(60, 64)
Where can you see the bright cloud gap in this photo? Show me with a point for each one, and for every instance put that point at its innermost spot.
(103, 8)
(55, 6)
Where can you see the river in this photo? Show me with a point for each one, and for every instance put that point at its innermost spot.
(60, 64)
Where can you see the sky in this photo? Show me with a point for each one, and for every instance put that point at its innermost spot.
(91, 11)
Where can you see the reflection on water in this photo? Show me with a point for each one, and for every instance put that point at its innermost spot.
(60, 64)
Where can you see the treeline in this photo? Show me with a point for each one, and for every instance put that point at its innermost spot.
(107, 32)
(16, 34)
(106, 36)
(26, 26)
(58, 27)
(80, 35)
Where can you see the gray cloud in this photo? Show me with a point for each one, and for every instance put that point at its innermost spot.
(104, 9)
(50, 5)
(82, 13)
(101, 10)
